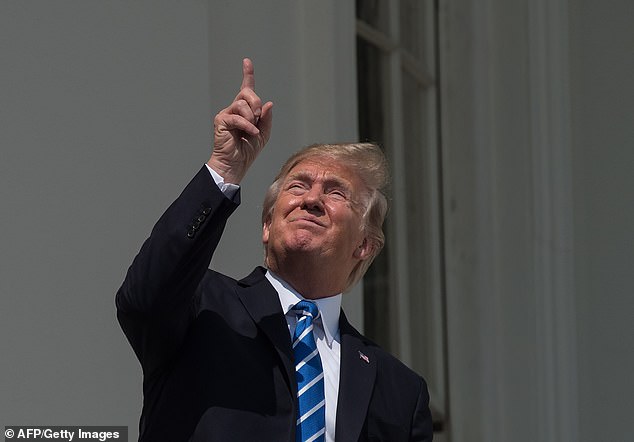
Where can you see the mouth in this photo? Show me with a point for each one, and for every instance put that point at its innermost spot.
(307, 220)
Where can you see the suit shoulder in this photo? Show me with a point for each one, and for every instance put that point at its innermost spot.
(387, 362)
(219, 282)
(214, 287)
(218, 289)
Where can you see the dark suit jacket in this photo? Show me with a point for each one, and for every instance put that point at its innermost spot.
(216, 354)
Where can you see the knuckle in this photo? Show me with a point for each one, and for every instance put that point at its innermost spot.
(219, 119)
(240, 103)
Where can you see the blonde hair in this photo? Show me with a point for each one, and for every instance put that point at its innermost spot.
(369, 162)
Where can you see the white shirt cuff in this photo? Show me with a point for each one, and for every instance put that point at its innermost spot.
(227, 188)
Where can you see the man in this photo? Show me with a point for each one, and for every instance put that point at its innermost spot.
(270, 357)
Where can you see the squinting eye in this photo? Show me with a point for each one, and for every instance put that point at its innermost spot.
(295, 187)
(338, 194)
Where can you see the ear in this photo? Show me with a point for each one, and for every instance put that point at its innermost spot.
(265, 232)
(364, 250)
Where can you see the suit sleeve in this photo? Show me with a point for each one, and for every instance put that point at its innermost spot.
(422, 425)
(155, 303)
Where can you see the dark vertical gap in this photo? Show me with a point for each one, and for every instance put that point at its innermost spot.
(441, 426)
(376, 290)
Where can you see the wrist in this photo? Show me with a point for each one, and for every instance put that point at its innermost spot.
(228, 173)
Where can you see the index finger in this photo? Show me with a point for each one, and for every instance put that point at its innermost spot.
(248, 76)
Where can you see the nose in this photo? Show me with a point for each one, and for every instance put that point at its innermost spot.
(312, 200)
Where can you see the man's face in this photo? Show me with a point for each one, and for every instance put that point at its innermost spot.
(318, 213)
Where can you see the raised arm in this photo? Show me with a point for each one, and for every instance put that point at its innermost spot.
(156, 302)
(241, 130)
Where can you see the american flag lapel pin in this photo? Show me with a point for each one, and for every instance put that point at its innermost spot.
(364, 357)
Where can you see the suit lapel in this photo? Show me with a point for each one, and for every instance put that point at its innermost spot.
(358, 362)
(358, 372)
(262, 302)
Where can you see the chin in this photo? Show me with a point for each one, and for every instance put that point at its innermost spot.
(303, 241)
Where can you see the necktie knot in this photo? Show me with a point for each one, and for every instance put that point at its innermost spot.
(306, 308)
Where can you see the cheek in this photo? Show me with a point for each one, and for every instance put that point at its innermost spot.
(351, 224)
(283, 207)
(275, 226)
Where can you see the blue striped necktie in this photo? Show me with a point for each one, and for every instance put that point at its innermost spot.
(311, 414)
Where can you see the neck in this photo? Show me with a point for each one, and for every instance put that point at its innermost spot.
(311, 278)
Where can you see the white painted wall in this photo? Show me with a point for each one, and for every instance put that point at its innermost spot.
(602, 68)
(104, 117)
(106, 114)
(538, 157)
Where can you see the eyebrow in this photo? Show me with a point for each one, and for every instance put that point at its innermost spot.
(328, 179)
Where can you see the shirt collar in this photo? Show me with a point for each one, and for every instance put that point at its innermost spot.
(329, 307)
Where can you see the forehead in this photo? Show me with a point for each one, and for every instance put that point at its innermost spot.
(325, 168)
